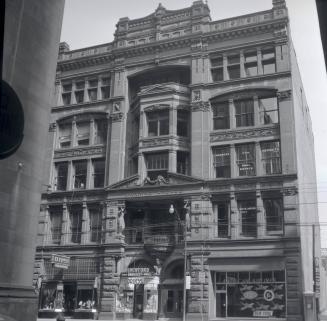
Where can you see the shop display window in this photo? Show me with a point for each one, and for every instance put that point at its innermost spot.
(250, 294)
(48, 296)
(86, 298)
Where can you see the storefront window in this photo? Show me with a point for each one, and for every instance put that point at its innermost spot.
(250, 294)
(86, 297)
(48, 296)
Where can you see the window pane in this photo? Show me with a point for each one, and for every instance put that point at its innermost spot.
(234, 72)
(223, 219)
(248, 212)
(268, 53)
(61, 179)
(66, 99)
(221, 115)
(101, 131)
(56, 222)
(233, 59)
(76, 224)
(105, 92)
(269, 67)
(221, 156)
(182, 123)
(245, 159)
(95, 225)
(271, 162)
(244, 112)
(251, 69)
(217, 74)
(182, 163)
(164, 126)
(80, 85)
(274, 214)
(80, 168)
(98, 172)
(216, 61)
(250, 56)
(65, 131)
(268, 110)
(93, 94)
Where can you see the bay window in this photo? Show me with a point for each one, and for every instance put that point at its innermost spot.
(270, 153)
(221, 158)
(245, 159)
(157, 164)
(158, 123)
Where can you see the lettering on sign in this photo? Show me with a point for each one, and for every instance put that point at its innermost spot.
(60, 261)
(261, 313)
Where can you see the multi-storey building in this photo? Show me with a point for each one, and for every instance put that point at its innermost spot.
(181, 150)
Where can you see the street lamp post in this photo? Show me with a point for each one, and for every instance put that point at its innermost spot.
(173, 211)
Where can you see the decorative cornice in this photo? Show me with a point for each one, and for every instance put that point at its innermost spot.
(200, 106)
(244, 134)
(117, 117)
(156, 107)
(87, 151)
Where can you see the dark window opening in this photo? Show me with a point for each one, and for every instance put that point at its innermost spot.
(76, 214)
(221, 115)
(157, 164)
(271, 161)
(80, 168)
(182, 123)
(245, 159)
(221, 158)
(274, 214)
(244, 112)
(62, 173)
(158, 123)
(223, 219)
(248, 213)
(98, 172)
(183, 163)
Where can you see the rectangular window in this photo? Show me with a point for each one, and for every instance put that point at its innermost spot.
(75, 215)
(79, 85)
(268, 60)
(248, 213)
(158, 123)
(61, 178)
(245, 158)
(93, 94)
(234, 69)
(56, 224)
(93, 83)
(251, 63)
(251, 294)
(105, 92)
(95, 224)
(79, 96)
(98, 172)
(66, 99)
(80, 169)
(221, 115)
(83, 133)
(268, 107)
(182, 123)
(183, 163)
(274, 215)
(101, 129)
(157, 164)
(223, 218)
(65, 134)
(221, 161)
(270, 153)
(244, 112)
(217, 70)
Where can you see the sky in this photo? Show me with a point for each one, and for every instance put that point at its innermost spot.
(92, 22)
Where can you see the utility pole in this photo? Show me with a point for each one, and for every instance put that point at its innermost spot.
(185, 268)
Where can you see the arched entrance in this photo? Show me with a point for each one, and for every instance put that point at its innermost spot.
(171, 290)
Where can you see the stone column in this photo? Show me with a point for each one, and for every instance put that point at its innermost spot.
(73, 98)
(142, 124)
(234, 217)
(232, 119)
(99, 90)
(256, 110)
(233, 165)
(242, 66)
(172, 161)
(173, 121)
(85, 238)
(110, 218)
(89, 174)
(261, 231)
(65, 227)
(74, 133)
(58, 92)
(47, 226)
(225, 70)
(141, 167)
(259, 57)
(258, 164)
(92, 131)
(70, 180)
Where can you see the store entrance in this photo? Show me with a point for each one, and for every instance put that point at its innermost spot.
(69, 298)
(138, 301)
(172, 300)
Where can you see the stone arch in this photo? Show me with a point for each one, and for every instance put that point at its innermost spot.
(174, 270)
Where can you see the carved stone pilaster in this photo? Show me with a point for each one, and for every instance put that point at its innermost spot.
(200, 106)
(117, 117)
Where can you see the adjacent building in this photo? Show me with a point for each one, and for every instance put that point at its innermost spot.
(181, 174)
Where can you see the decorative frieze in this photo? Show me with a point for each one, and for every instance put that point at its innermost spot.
(79, 152)
(244, 134)
(289, 191)
(164, 141)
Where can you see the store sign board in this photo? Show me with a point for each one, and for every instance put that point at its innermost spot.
(262, 313)
(60, 261)
(138, 271)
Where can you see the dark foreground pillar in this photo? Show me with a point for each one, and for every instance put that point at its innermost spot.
(32, 32)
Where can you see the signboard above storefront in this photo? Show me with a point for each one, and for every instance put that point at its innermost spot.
(60, 261)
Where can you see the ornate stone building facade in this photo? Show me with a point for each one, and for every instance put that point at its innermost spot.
(181, 151)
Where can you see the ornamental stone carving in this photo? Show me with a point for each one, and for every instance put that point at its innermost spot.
(243, 134)
(156, 107)
(117, 117)
(289, 191)
(196, 95)
(200, 106)
(284, 95)
(52, 127)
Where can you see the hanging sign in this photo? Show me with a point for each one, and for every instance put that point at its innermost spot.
(60, 261)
